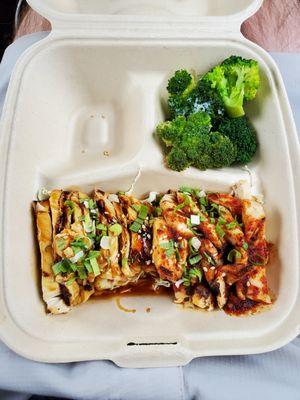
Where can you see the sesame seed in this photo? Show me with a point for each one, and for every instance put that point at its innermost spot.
(223, 274)
(151, 251)
(205, 269)
(213, 268)
(248, 283)
(148, 262)
(179, 237)
(144, 226)
(148, 236)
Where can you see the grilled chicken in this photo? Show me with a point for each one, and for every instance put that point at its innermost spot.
(211, 249)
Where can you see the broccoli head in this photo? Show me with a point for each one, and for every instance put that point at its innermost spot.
(200, 98)
(193, 144)
(181, 83)
(236, 79)
(170, 131)
(243, 135)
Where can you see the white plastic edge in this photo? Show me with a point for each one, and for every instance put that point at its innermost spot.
(133, 25)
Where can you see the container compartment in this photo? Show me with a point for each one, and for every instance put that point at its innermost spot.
(66, 90)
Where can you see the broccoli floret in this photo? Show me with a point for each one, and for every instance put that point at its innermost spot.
(181, 83)
(243, 135)
(195, 144)
(177, 159)
(170, 131)
(201, 98)
(236, 79)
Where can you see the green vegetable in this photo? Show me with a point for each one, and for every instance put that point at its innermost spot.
(194, 145)
(71, 205)
(186, 189)
(93, 254)
(209, 258)
(245, 246)
(124, 262)
(143, 212)
(81, 272)
(70, 281)
(170, 252)
(95, 266)
(135, 227)
(231, 225)
(158, 211)
(88, 266)
(186, 202)
(233, 255)
(116, 229)
(61, 244)
(235, 80)
(187, 97)
(242, 135)
(220, 231)
(196, 273)
(136, 207)
(181, 83)
(101, 227)
(221, 221)
(195, 259)
(57, 268)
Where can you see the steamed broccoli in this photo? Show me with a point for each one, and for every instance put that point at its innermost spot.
(181, 83)
(243, 135)
(236, 79)
(190, 97)
(193, 143)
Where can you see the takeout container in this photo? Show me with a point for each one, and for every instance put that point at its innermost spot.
(96, 86)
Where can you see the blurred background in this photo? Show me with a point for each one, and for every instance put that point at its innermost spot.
(276, 26)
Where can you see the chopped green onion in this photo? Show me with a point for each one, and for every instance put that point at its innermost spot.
(203, 218)
(177, 253)
(136, 207)
(165, 245)
(143, 212)
(91, 203)
(81, 272)
(196, 273)
(195, 259)
(121, 193)
(221, 221)
(186, 189)
(158, 211)
(56, 268)
(212, 220)
(88, 266)
(61, 244)
(170, 251)
(220, 231)
(203, 201)
(231, 225)
(209, 258)
(192, 250)
(95, 266)
(70, 281)
(139, 221)
(73, 267)
(116, 229)
(70, 204)
(93, 254)
(245, 246)
(186, 202)
(233, 255)
(101, 227)
(135, 227)
(77, 242)
(124, 261)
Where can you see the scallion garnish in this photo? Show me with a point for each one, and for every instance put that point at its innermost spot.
(245, 246)
(220, 231)
(231, 225)
(61, 244)
(81, 272)
(186, 189)
(136, 207)
(71, 205)
(233, 255)
(158, 211)
(95, 266)
(70, 281)
(116, 229)
(143, 212)
(124, 261)
(195, 259)
(135, 227)
(186, 202)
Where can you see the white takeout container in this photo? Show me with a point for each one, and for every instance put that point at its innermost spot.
(96, 84)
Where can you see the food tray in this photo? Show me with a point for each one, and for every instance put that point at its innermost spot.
(96, 84)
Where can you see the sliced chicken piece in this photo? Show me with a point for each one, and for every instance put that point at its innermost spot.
(177, 219)
(233, 204)
(167, 265)
(253, 217)
(254, 285)
(203, 298)
(233, 232)
(211, 258)
(50, 288)
(220, 289)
